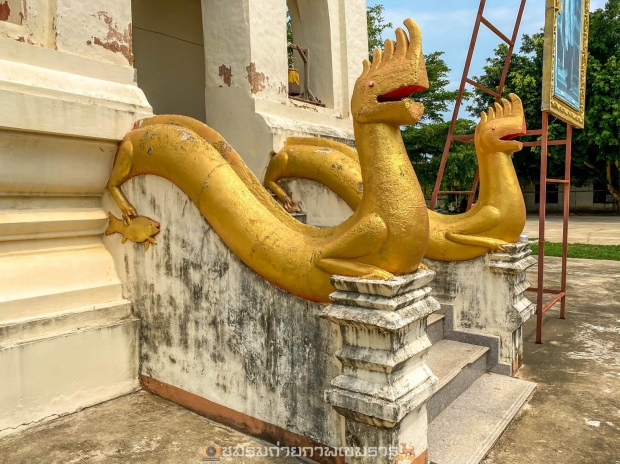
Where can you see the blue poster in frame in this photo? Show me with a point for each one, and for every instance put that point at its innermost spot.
(567, 62)
(565, 58)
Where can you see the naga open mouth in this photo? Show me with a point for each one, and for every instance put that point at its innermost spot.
(517, 134)
(400, 93)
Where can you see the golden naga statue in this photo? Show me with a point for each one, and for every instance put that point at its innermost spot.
(497, 218)
(387, 234)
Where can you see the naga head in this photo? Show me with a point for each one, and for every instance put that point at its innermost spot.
(395, 73)
(495, 131)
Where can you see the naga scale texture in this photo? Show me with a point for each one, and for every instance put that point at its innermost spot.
(497, 218)
(387, 234)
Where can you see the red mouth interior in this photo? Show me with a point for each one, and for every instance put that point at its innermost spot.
(400, 93)
(518, 134)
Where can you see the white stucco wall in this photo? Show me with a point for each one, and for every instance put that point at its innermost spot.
(214, 328)
(68, 339)
(169, 55)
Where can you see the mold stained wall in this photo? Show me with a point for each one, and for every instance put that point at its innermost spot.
(213, 327)
(169, 55)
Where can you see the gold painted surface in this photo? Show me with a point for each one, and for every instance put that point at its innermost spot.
(555, 105)
(387, 234)
(140, 229)
(496, 219)
(331, 163)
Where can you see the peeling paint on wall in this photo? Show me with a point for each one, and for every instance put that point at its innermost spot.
(5, 11)
(115, 40)
(255, 78)
(226, 74)
(23, 15)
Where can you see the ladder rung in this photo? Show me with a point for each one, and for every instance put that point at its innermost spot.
(538, 143)
(496, 30)
(482, 87)
(455, 192)
(557, 181)
(463, 138)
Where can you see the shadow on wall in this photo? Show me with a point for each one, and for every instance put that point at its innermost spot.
(168, 49)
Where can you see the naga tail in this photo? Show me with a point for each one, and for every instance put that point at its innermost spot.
(114, 226)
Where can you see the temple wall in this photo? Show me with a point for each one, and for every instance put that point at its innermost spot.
(68, 338)
(169, 55)
(212, 327)
(69, 94)
(247, 82)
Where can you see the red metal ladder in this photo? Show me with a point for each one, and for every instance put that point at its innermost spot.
(560, 295)
(480, 19)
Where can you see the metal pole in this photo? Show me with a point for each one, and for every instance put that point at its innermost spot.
(470, 200)
(567, 160)
(515, 33)
(457, 106)
(542, 203)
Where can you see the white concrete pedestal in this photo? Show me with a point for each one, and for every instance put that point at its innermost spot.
(385, 382)
(483, 302)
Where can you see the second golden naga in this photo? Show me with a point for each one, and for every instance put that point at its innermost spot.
(497, 218)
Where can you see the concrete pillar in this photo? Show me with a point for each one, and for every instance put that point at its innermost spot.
(484, 302)
(247, 73)
(385, 382)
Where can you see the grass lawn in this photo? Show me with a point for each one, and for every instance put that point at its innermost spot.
(581, 250)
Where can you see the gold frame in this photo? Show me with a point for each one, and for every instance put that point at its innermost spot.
(550, 102)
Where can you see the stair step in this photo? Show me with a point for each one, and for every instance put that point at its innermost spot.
(435, 330)
(457, 366)
(301, 217)
(465, 432)
(51, 223)
(50, 281)
(63, 322)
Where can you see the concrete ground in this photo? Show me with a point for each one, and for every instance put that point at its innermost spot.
(596, 230)
(572, 417)
(139, 428)
(574, 414)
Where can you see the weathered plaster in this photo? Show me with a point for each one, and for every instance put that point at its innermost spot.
(213, 327)
(255, 78)
(249, 39)
(488, 297)
(226, 74)
(106, 25)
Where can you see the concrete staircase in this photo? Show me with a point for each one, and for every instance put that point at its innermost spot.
(471, 407)
(300, 216)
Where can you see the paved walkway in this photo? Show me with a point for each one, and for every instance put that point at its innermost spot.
(573, 416)
(595, 230)
(139, 428)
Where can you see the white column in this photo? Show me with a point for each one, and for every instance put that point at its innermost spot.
(385, 382)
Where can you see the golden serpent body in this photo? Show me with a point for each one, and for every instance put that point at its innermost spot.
(387, 234)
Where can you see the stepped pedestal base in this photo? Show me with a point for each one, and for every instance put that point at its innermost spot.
(484, 303)
(385, 382)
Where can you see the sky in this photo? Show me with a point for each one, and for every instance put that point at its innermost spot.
(447, 26)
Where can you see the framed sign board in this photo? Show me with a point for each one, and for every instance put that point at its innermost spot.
(565, 58)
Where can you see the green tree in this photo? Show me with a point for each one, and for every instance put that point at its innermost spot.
(424, 144)
(376, 25)
(596, 148)
(425, 141)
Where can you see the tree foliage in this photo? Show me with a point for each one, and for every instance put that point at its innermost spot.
(425, 141)
(596, 148)
(376, 25)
